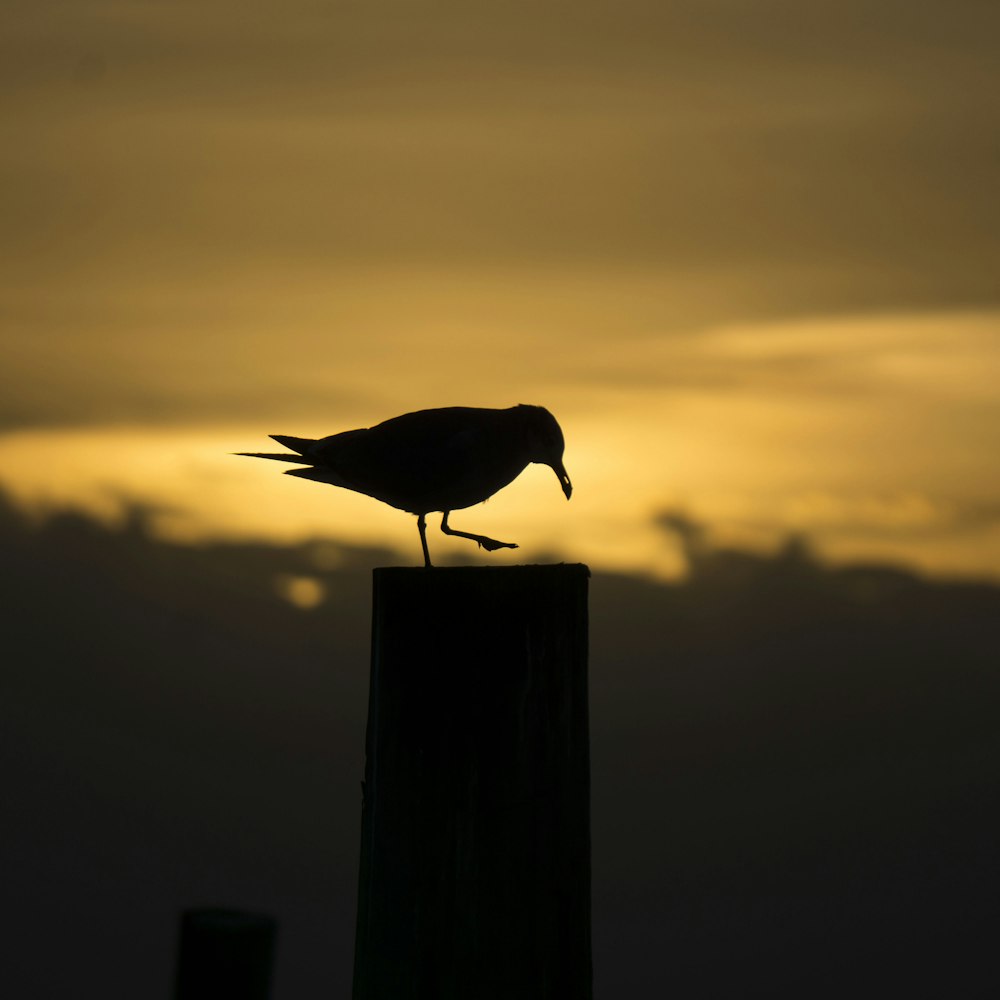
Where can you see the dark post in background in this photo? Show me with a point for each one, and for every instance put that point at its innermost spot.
(475, 853)
(225, 953)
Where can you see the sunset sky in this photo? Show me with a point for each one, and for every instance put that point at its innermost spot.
(747, 253)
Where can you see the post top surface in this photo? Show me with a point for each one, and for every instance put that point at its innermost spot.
(570, 569)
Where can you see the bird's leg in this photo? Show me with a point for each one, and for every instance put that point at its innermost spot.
(487, 543)
(422, 528)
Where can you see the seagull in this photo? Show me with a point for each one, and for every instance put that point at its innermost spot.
(433, 460)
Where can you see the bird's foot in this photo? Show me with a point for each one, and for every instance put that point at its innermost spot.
(484, 542)
(491, 544)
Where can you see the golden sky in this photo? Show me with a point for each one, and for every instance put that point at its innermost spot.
(747, 253)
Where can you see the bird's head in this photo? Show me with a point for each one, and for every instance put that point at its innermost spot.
(546, 443)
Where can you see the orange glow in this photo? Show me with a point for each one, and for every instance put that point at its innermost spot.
(304, 592)
(751, 270)
(867, 458)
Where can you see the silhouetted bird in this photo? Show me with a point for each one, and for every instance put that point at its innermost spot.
(433, 460)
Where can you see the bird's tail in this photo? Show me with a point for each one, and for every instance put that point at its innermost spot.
(283, 456)
(296, 444)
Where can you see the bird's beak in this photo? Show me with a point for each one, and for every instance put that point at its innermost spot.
(567, 486)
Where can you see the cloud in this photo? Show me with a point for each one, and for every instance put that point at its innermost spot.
(688, 136)
(898, 360)
(745, 252)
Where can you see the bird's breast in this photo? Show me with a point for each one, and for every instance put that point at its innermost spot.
(475, 484)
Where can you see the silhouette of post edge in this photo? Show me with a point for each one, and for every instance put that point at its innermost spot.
(475, 853)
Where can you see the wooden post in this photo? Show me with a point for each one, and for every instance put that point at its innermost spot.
(475, 853)
(225, 953)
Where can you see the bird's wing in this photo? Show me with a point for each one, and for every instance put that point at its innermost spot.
(440, 459)
(300, 445)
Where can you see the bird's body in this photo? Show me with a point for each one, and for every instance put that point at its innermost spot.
(433, 460)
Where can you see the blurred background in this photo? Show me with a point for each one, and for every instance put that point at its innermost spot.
(746, 254)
